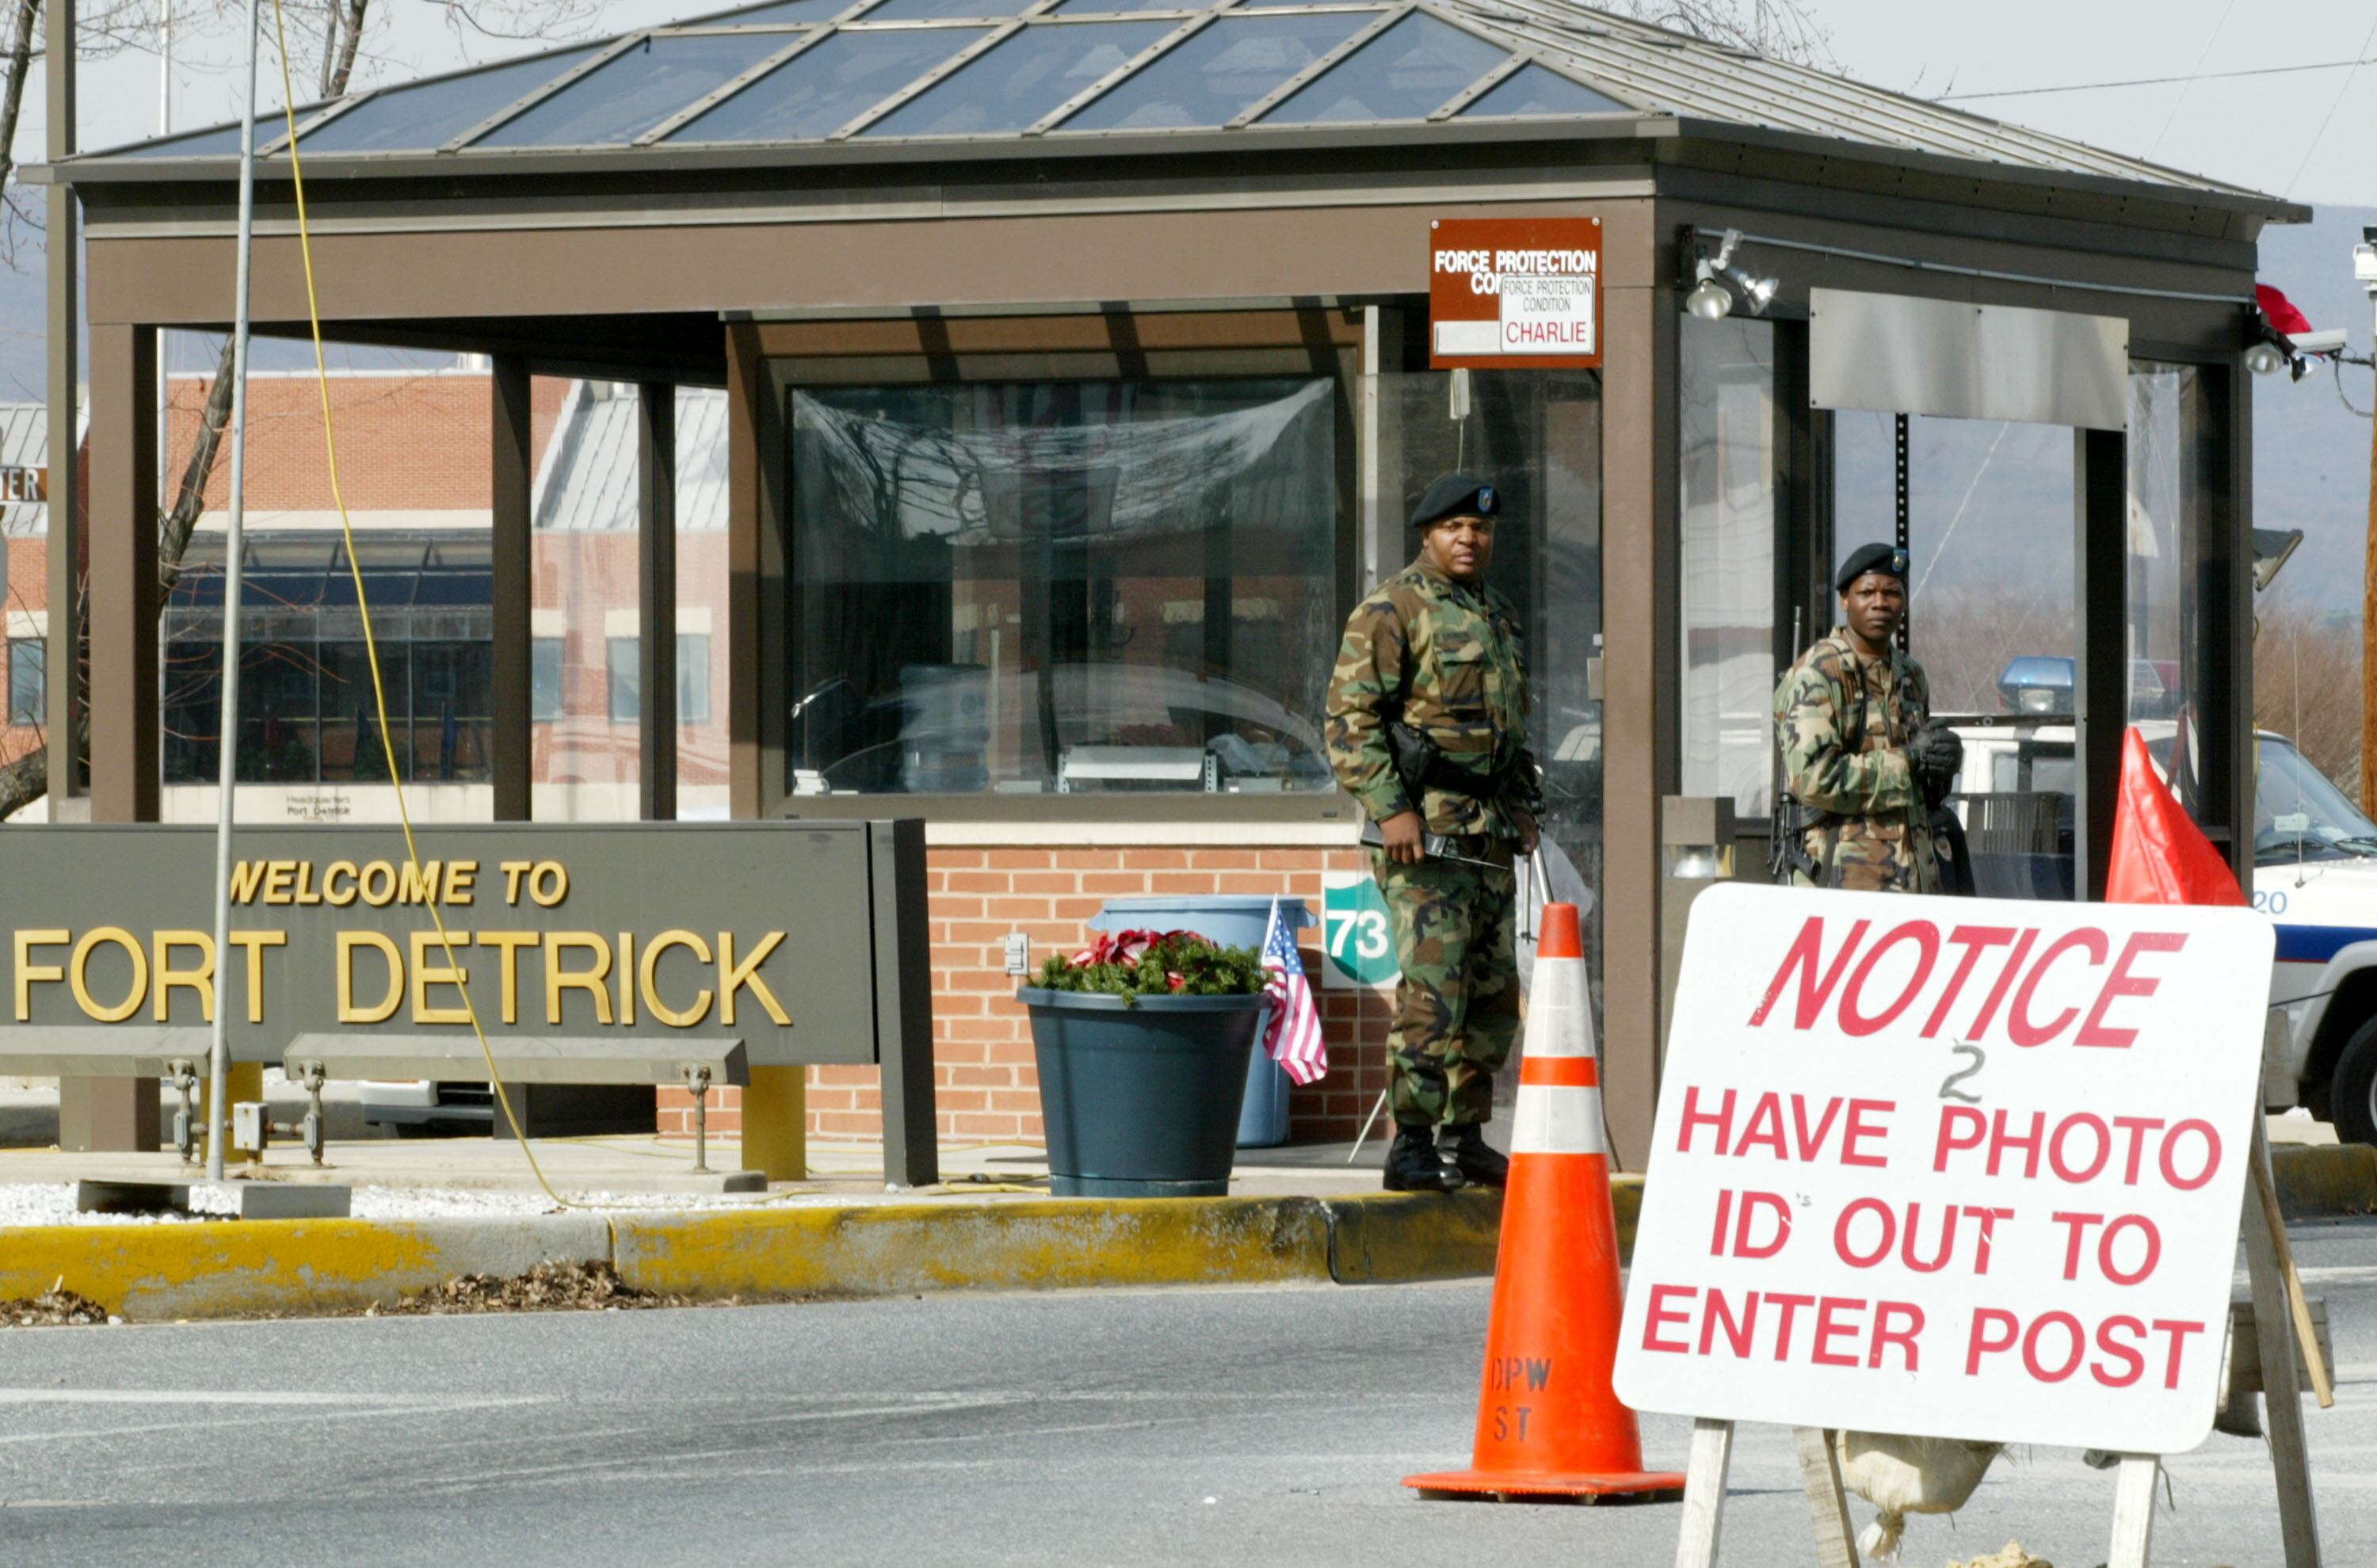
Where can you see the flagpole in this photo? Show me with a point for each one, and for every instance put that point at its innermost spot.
(227, 727)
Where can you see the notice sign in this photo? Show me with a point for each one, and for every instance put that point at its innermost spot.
(1515, 293)
(1949, 1167)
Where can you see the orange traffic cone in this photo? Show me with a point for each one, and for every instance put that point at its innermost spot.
(1548, 1424)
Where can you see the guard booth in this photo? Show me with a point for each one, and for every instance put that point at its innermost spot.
(1079, 364)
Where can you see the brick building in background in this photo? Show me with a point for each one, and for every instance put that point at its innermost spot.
(417, 491)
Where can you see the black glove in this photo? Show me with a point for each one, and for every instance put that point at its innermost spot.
(1936, 756)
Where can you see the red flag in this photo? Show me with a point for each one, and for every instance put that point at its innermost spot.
(2280, 311)
(2160, 856)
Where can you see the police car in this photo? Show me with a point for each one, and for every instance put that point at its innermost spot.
(2314, 875)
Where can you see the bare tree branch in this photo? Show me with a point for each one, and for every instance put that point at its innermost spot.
(12, 93)
(336, 77)
(1781, 30)
(190, 499)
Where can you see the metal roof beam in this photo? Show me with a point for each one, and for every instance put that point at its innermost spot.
(518, 107)
(1510, 67)
(1124, 72)
(938, 74)
(729, 88)
(1318, 67)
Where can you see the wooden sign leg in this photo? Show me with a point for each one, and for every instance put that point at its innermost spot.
(1820, 1470)
(2273, 1326)
(2134, 1504)
(1704, 1475)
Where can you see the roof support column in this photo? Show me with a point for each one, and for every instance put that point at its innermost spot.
(123, 600)
(121, 1113)
(2101, 684)
(63, 660)
(656, 645)
(2226, 711)
(775, 1105)
(757, 659)
(513, 744)
(1638, 549)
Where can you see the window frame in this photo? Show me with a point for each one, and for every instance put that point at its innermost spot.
(1328, 357)
(40, 711)
(537, 647)
(615, 679)
(693, 653)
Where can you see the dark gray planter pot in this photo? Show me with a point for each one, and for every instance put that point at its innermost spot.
(1140, 1099)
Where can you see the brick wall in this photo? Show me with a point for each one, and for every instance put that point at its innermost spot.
(983, 1080)
(408, 441)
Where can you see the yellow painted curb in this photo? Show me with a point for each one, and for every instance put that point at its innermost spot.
(247, 1267)
(1399, 1238)
(882, 1248)
(2336, 1179)
(236, 1268)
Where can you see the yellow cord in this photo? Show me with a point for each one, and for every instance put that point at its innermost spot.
(371, 644)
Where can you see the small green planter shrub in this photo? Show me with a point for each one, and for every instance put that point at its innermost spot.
(1149, 963)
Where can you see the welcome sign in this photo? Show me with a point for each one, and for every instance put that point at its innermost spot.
(769, 933)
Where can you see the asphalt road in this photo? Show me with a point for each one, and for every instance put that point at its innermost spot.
(1222, 1426)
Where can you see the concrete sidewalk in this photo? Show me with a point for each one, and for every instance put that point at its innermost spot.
(840, 1172)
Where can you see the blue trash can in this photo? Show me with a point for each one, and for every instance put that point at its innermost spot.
(1231, 920)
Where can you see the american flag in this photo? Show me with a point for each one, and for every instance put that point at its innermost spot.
(1293, 1036)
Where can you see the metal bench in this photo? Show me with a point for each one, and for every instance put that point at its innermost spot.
(176, 1054)
(698, 1064)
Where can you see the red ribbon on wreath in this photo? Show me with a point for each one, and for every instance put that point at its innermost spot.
(1126, 948)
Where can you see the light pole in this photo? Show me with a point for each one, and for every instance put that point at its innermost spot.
(164, 368)
(235, 566)
(2364, 269)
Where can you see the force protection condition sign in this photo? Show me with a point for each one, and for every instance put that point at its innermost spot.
(1515, 293)
(1949, 1166)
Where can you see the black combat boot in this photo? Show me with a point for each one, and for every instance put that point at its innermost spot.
(1477, 1160)
(1413, 1164)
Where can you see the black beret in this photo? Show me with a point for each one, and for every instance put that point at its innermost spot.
(1887, 559)
(1456, 495)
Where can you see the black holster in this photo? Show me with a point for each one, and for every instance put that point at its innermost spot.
(1787, 855)
(1421, 765)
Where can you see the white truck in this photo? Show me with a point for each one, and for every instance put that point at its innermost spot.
(2315, 876)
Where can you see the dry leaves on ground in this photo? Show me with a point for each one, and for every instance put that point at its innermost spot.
(591, 1287)
(52, 1307)
(2010, 1556)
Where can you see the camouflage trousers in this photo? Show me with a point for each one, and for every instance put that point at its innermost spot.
(1863, 861)
(1457, 1007)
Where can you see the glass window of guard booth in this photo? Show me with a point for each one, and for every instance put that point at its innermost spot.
(1063, 587)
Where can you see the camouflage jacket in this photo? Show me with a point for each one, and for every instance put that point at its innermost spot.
(1843, 723)
(1448, 658)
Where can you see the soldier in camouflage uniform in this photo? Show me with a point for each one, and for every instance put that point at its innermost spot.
(1864, 763)
(1427, 731)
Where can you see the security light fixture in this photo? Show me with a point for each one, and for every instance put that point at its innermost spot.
(2271, 548)
(1718, 281)
(2268, 353)
(1709, 300)
(2272, 350)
